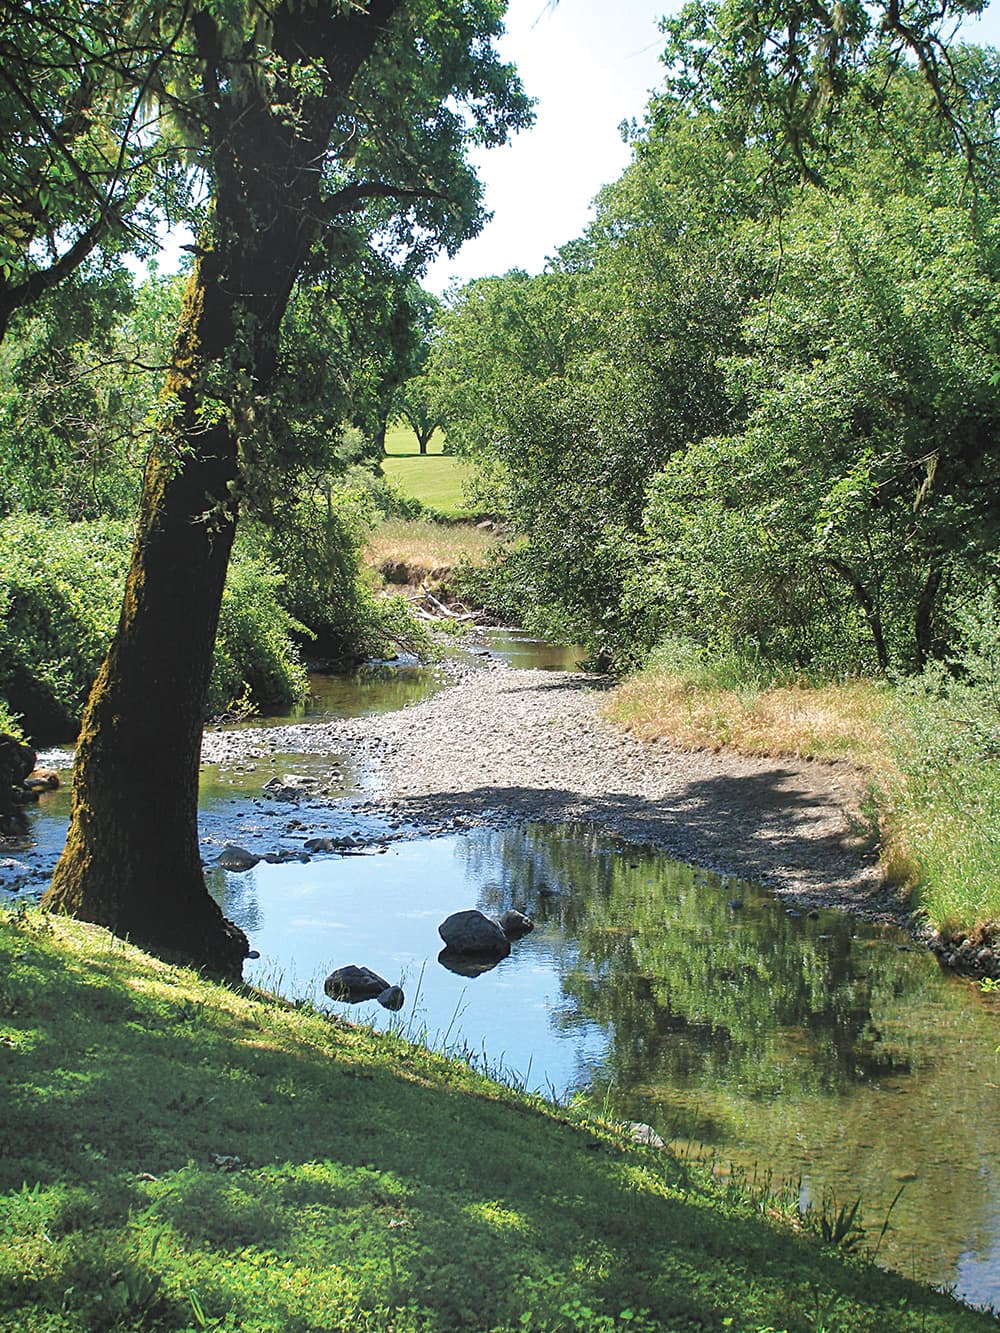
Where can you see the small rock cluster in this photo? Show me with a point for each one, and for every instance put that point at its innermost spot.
(971, 954)
(20, 781)
(474, 943)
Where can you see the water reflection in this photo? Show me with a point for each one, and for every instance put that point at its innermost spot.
(519, 649)
(824, 1050)
(376, 687)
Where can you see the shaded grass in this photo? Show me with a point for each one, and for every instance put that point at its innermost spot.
(177, 1156)
(435, 479)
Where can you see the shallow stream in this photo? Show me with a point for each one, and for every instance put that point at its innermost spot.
(808, 1048)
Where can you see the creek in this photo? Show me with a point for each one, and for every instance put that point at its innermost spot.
(805, 1048)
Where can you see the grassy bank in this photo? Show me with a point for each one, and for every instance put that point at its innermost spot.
(929, 750)
(179, 1156)
(417, 550)
(435, 479)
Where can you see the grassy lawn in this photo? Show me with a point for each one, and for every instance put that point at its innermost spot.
(181, 1156)
(434, 479)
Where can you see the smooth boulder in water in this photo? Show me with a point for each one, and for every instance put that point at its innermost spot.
(515, 925)
(473, 932)
(392, 998)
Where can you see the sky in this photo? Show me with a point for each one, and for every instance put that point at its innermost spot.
(590, 64)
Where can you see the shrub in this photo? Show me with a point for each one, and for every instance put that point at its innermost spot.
(60, 594)
(946, 805)
(317, 540)
(256, 661)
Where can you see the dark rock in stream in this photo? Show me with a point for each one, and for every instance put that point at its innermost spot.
(473, 932)
(236, 859)
(16, 761)
(392, 998)
(515, 925)
(354, 984)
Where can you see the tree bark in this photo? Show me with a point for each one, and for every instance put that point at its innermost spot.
(865, 600)
(923, 620)
(132, 857)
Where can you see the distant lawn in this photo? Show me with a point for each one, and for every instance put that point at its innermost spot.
(434, 479)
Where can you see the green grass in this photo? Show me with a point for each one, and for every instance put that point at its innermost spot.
(435, 479)
(181, 1156)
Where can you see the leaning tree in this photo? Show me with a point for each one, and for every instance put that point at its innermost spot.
(302, 118)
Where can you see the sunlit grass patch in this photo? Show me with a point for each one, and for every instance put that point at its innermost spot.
(843, 721)
(945, 799)
(436, 479)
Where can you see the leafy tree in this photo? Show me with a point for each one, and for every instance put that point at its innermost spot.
(830, 530)
(781, 75)
(87, 162)
(571, 388)
(305, 119)
(79, 372)
(417, 400)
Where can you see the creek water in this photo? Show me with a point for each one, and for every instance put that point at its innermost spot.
(807, 1048)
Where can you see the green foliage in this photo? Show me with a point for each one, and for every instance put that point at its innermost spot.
(946, 804)
(256, 663)
(316, 539)
(91, 166)
(60, 594)
(745, 410)
(69, 428)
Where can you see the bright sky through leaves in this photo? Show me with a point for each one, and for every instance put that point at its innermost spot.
(590, 64)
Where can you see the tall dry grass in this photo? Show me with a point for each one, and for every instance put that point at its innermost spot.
(929, 748)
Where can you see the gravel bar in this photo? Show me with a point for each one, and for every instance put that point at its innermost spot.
(499, 745)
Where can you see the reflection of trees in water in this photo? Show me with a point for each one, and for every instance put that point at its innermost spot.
(692, 992)
(236, 895)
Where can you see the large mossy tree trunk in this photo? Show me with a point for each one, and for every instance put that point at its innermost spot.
(132, 858)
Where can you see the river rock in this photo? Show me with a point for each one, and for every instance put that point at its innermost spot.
(475, 933)
(42, 779)
(392, 998)
(515, 925)
(640, 1133)
(236, 858)
(16, 761)
(355, 984)
(320, 845)
(291, 787)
